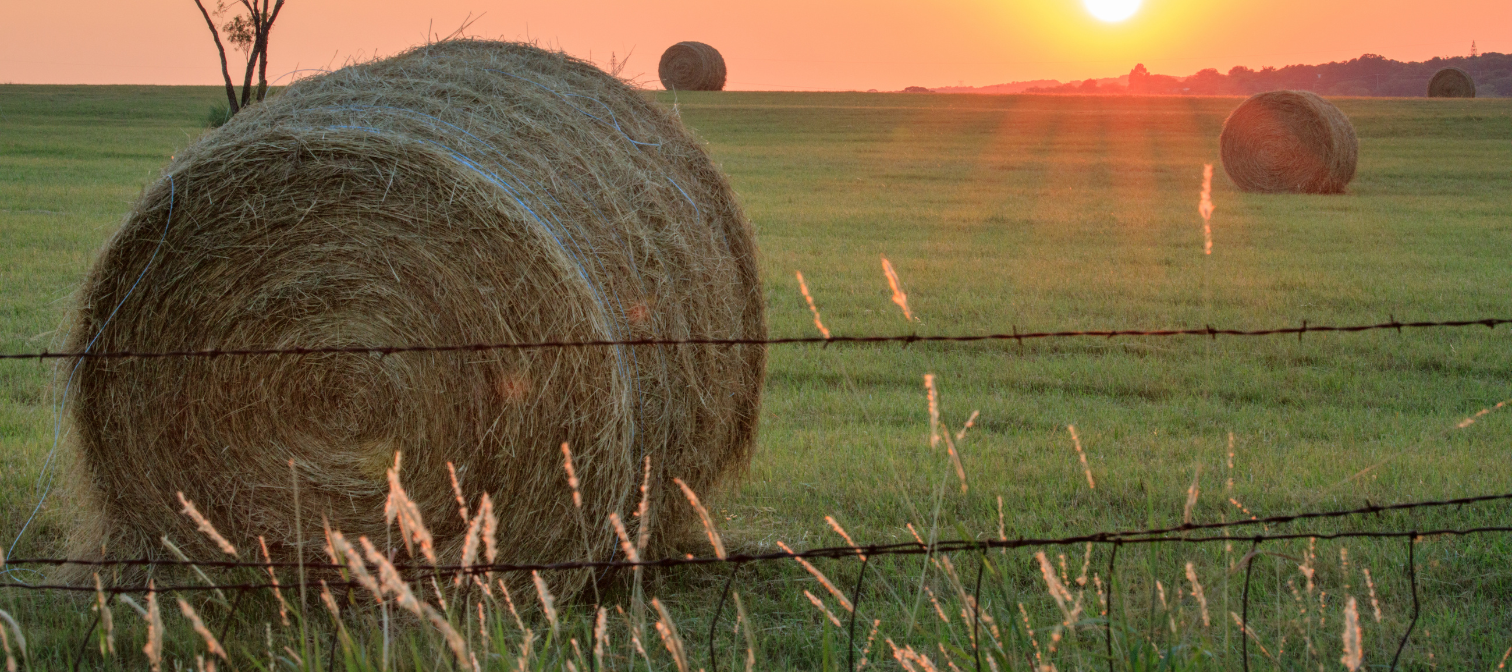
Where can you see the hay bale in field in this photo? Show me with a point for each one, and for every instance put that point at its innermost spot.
(1451, 83)
(1289, 141)
(463, 192)
(691, 66)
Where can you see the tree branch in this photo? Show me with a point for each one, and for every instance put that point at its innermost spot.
(225, 70)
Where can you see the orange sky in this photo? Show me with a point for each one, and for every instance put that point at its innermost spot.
(772, 45)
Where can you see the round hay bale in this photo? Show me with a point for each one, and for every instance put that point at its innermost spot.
(463, 192)
(692, 66)
(1289, 142)
(1451, 83)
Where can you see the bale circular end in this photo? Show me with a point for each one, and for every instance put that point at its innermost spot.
(1289, 142)
(1451, 83)
(463, 192)
(692, 66)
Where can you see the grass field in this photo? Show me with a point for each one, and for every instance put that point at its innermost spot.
(999, 213)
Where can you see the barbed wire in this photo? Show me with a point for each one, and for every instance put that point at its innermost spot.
(1014, 335)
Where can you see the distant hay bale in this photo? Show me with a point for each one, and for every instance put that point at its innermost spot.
(1289, 142)
(463, 192)
(692, 66)
(1451, 83)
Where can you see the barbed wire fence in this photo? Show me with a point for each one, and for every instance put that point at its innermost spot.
(1182, 534)
(1190, 533)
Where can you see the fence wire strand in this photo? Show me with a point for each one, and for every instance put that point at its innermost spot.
(1015, 335)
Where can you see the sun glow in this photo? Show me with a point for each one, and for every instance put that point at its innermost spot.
(1112, 10)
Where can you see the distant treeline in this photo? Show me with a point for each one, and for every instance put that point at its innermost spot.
(1368, 75)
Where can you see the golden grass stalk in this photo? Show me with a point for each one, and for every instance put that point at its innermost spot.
(1503, 664)
(600, 637)
(670, 638)
(1002, 523)
(469, 547)
(803, 286)
(823, 580)
(934, 409)
(1205, 208)
(744, 620)
(389, 579)
(1081, 455)
(454, 640)
(619, 529)
(911, 660)
(401, 509)
(283, 607)
(835, 525)
(1249, 632)
(643, 534)
(1069, 607)
(917, 539)
(938, 611)
(548, 601)
(490, 531)
(819, 604)
(16, 631)
(203, 665)
(1191, 501)
(898, 296)
(866, 650)
(154, 618)
(107, 620)
(572, 479)
(703, 515)
(1197, 592)
(1375, 604)
(970, 422)
(1352, 648)
(1228, 486)
(10, 658)
(457, 491)
(352, 559)
(205, 527)
(1471, 420)
(509, 602)
(329, 601)
(211, 644)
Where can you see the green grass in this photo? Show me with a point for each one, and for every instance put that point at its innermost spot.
(1034, 213)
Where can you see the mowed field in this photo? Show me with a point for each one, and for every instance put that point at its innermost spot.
(1032, 213)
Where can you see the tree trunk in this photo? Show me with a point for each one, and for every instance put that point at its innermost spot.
(225, 69)
(262, 75)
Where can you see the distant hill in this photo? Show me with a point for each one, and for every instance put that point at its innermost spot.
(1368, 75)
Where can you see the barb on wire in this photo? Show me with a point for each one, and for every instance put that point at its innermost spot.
(1208, 331)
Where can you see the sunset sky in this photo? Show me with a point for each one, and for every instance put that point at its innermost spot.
(769, 45)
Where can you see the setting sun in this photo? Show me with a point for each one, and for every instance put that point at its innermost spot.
(1112, 10)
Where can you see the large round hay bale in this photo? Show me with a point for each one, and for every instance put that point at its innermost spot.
(692, 66)
(463, 192)
(1289, 142)
(1451, 83)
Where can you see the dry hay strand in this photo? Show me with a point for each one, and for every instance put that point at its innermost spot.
(692, 66)
(462, 192)
(1289, 142)
(1451, 83)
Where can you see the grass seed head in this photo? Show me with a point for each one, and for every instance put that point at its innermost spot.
(205, 527)
(1352, 649)
(898, 296)
(211, 643)
(823, 580)
(803, 287)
